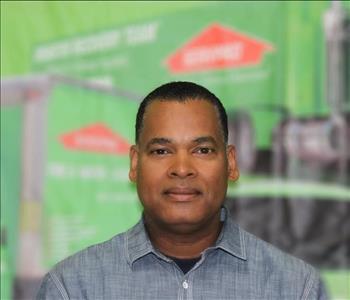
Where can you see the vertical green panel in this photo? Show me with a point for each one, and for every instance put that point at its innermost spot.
(11, 134)
(87, 194)
(305, 58)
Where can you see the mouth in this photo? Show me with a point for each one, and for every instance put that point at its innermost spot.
(182, 194)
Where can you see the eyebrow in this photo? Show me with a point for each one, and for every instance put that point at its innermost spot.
(205, 139)
(165, 141)
(159, 141)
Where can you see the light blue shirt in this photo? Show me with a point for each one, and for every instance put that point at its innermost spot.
(238, 266)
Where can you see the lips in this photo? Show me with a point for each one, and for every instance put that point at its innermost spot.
(182, 193)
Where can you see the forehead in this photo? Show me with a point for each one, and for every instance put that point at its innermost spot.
(181, 120)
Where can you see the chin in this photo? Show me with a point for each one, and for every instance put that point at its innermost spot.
(184, 219)
(183, 227)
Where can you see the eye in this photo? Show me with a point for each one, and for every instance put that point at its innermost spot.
(205, 150)
(160, 151)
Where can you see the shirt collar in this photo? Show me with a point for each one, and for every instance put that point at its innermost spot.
(231, 240)
(137, 242)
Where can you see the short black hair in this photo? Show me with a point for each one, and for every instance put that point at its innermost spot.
(181, 91)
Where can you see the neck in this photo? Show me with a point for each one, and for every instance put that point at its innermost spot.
(188, 243)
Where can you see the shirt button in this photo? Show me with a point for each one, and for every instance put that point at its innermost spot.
(185, 285)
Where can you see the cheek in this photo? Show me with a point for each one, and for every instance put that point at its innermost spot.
(149, 176)
(215, 173)
(216, 180)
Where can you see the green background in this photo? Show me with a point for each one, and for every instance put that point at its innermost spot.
(296, 82)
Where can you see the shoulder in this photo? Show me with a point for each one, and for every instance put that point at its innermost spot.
(282, 269)
(259, 251)
(85, 267)
(102, 254)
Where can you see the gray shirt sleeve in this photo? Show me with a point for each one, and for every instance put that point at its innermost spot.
(51, 288)
(321, 291)
(317, 289)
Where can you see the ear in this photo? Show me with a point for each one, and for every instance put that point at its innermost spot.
(233, 172)
(133, 155)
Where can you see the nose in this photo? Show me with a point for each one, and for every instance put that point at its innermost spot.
(182, 166)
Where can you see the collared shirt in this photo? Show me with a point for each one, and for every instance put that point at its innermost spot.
(238, 266)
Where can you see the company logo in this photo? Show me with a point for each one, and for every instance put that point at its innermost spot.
(217, 47)
(95, 138)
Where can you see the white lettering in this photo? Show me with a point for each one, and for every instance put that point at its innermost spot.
(205, 55)
(141, 34)
(134, 34)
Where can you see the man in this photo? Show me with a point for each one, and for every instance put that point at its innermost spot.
(186, 246)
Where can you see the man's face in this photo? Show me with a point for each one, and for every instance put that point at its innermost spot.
(181, 165)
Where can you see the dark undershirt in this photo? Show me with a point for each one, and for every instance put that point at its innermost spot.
(185, 264)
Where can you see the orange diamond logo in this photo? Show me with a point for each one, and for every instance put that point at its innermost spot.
(95, 138)
(217, 47)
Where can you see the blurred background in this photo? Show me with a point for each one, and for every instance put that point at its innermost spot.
(73, 73)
